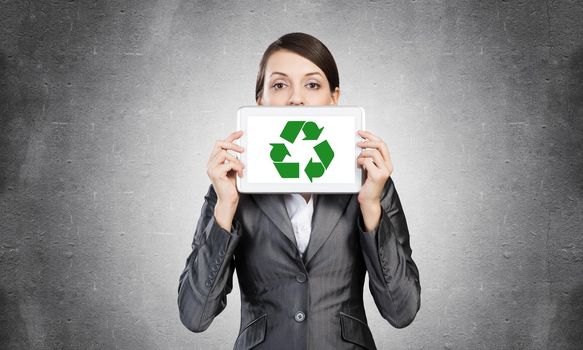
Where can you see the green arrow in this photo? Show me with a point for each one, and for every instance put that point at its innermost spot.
(278, 152)
(314, 169)
(325, 152)
(312, 131)
(288, 170)
(291, 130)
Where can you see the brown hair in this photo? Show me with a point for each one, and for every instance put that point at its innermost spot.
(306, 46)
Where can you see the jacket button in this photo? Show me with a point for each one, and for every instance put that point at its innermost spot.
(300, 277)
(300, 316)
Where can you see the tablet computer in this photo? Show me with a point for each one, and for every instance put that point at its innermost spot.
(293, 149)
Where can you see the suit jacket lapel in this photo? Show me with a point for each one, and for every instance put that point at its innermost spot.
(273, 206)
(328, 209)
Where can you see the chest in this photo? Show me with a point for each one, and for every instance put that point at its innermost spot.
(267, 250)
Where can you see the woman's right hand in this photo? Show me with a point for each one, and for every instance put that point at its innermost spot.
(222, 168)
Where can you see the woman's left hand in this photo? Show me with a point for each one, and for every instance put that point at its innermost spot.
(376, 161)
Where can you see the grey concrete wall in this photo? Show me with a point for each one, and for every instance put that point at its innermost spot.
(108, 111)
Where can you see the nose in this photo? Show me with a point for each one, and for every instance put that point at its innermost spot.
(296, 98)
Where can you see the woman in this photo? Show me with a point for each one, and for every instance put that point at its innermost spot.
(300, 261)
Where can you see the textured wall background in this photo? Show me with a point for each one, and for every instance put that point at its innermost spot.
(108, 111)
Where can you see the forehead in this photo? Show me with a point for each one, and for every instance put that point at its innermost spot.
(290, 63)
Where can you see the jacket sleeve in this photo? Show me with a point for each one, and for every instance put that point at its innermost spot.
(393, 275)
(208, 275)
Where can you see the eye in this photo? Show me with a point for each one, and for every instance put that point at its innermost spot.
(313, 85)
(278, 86)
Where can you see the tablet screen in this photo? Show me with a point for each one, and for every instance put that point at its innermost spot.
(331, 142)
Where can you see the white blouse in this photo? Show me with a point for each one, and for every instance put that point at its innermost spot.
(300, 214)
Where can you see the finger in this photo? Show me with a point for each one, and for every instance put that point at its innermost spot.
(217, 158)
(369, 166)
(223, 169)
(231, 159)
(361, 162)
(381, 146)
(376, 156)
(232, 136)
(221, 145)
(221, 157)
(369, 135)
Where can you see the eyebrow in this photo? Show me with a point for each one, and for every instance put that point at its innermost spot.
(285, 75)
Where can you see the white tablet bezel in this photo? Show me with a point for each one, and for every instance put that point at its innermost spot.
(298, 111)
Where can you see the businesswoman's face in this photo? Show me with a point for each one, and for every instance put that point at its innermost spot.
(291, 79)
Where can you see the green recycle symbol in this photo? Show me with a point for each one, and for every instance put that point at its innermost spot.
(290, 133)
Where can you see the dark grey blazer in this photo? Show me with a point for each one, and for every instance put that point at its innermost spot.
(290, 302)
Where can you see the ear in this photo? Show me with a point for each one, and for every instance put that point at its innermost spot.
(335, 96)
(260, 101)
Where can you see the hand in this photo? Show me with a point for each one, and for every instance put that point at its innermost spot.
(221, 169)
(376, 162)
